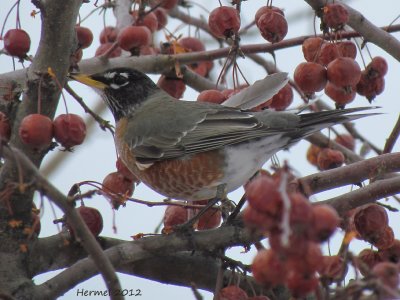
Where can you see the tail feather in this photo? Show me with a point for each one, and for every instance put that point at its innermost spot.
(316, 121)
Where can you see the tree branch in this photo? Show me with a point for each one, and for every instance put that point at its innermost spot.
(354, 173)
(372, 192)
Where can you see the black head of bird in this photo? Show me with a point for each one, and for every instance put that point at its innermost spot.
(122, 89)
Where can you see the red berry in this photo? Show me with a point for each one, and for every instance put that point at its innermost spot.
(213, 96)
(328, 53)
(123, 169)
(103, 48)
(211, 219)
(301, 213)
(257, 220)
(312, 154)
(191, 44)
(300, 285)
(347, 49)
(5, 127)
(330, 159)
(132, 37)
(332, 267)
(308, 262)
(388, 274)
(346, 140)
(224, 21)
(232, 292)
(17, 42)
(335, 15)
(92, 219)
(36, 130)
(149, 19)
(69, 130)
(324, 223)
(279, 101)
(369, 258)
(173, 86)
(117, 187)
(175, 215)
(269, 268)
(392, 253)
(342, 95)
(147, 50)
(162, 17)
(282, 99)
(311, 48)
(273, 26)
(378, 67)
(264, 9)
(344, 71)
(108, 35)
(297, 245)
(263, 195)
(310, 77)
(370, 87)
(370, 221)
(259, 298)
(385, 240)
(84, 35)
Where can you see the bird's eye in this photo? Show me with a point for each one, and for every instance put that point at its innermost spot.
(120, 80)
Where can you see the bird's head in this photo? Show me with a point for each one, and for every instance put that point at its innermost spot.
(123, 89)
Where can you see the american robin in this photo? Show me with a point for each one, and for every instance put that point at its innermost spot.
(187, 149)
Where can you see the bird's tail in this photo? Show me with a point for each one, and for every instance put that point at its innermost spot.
(316, 121)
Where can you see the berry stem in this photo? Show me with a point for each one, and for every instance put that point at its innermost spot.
(18, 20)
(5, 19)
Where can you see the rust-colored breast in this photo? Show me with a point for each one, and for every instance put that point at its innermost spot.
(192, 177)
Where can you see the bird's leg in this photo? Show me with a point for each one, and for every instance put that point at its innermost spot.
(220, 196)
(236, 211)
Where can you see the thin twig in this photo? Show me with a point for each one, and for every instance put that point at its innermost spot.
(394, 135)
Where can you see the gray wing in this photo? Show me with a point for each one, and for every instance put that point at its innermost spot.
(188, 128)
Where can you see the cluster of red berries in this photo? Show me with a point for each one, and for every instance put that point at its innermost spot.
(371, 223)
(383, 264)
(176, 215)
(295, 256)
(331, 65)
(120, 185)
(326, 158)
(37, 130)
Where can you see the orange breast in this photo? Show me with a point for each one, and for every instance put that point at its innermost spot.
(192, 177)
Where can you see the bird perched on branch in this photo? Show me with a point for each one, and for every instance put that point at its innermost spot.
(186, 149)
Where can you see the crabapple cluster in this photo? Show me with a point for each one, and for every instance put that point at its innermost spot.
(331, 65)
(294, 257)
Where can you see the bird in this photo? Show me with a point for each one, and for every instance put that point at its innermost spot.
(188, 150)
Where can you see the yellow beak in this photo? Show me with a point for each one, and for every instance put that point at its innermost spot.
(89, 81)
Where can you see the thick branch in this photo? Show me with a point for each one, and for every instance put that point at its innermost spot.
(354, 173)
(82, 232)
(372, 192)
(132, 252)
